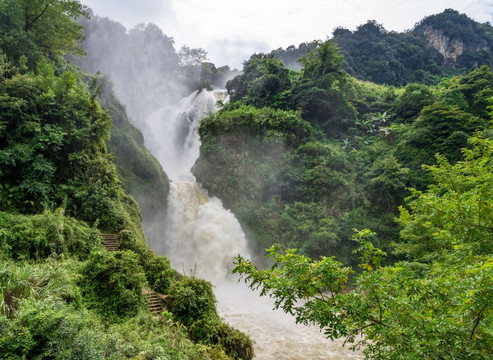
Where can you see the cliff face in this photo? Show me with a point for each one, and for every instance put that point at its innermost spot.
(451, 48)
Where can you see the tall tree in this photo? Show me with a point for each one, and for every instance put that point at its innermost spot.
(36, 28)
(320, 94)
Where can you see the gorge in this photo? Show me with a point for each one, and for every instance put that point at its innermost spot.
(202, 238)
(352, 192)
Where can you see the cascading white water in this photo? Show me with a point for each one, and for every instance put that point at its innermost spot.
(172, 132)
(203, 238)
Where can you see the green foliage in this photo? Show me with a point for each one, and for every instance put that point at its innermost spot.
(455, 211)
(477, 90)
(157, 268)
(51, 330)
(388, 181)
(267, 122)
(262, 83)
(46, 234)
(320, 93)
(458, 111)
(408, 311)
(112, 283)
(40, 28)
(235, 343)
(446, 129)
(147, 337)
(324, 60)
(193, 303)
(23, 281)
(51, 122)
(310, 227)
(191, 299)
(411, 101)
(52, 150)
(435, 305)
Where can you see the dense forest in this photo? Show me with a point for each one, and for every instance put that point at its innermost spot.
(363, 163)
(439, 46)
(306, 157)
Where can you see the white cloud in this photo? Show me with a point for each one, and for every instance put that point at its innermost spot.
(231, 30)
(131, 12)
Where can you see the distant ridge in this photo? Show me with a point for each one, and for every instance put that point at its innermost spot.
(440, 45)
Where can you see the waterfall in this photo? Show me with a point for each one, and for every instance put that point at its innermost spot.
(202, 238)
(172, 132)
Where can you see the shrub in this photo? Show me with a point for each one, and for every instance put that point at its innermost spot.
(191, 299)
(49, 233)
(157, 268)
(112, 283)
(50, 329)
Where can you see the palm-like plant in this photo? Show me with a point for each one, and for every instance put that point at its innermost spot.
(19, 282)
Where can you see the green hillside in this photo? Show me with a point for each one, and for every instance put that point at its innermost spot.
(366, 171)
(63, 295)
(305, 158)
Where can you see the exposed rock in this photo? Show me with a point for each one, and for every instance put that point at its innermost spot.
(451, 48)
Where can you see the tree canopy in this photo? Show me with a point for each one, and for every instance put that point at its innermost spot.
(34, 28)
(434, 305)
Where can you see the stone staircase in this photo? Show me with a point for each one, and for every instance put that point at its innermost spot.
(155, 301)
(110, 242)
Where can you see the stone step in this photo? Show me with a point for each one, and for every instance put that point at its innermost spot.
(110, 241)
(154, 301)
(109, 236)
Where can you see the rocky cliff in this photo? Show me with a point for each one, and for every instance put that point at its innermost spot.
(451, 48)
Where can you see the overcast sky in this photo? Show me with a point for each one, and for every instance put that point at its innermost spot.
(231, 30)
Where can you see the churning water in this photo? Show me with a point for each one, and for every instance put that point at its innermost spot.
(202, 238)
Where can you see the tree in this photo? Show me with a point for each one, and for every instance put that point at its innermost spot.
(112, 283)
(409, 104)
(435, 305)
(41, 27)
(320, 93)
(325, 59)
(191, 57)
(262, 83)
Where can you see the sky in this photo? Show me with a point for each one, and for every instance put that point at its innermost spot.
(232, 30)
